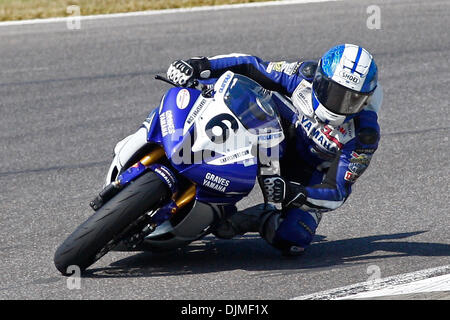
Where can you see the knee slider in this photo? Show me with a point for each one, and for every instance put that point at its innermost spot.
(297, 229)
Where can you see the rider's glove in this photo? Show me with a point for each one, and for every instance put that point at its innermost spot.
(180, 71)
(277, 190)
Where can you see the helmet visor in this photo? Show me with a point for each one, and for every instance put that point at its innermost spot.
(337, 98)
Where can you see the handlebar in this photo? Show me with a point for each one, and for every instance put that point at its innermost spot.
(190, 84)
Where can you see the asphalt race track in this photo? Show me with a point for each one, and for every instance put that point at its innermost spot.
(68, 96)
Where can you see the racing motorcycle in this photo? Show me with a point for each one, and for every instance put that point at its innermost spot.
(206, 146)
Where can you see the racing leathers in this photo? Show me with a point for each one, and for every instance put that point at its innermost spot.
(321, 162)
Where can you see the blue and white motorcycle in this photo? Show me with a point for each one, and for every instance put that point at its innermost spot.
(170, 183)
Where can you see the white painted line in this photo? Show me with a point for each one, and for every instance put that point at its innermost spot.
(414, 281)
(165, 11)
(435, 284)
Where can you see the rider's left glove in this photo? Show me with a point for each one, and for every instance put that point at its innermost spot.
(277, 190)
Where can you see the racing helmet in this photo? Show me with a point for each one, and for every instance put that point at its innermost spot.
(345, 78)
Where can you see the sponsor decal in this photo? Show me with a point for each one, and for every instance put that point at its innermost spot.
(275, 66)
(357, 168)
(234, 156)
(270, 136)
(320, 136)
(165, 175)
(301, 98)
(361, 158)
(278, 66)
(166, 122)
(183, 98)
(224, 83)
(348, 130)
(350, 176)
(195, 111)
(325, 138)
(349, 77)
(291, 68)
(282, 66)
(215, 182)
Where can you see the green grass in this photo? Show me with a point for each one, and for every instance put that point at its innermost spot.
(35, 9)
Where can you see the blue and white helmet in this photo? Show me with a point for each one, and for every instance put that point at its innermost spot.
(344, 80)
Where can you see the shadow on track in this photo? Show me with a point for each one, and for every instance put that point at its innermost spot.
(252, 253)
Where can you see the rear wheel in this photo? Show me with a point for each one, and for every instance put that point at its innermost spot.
(104, 229)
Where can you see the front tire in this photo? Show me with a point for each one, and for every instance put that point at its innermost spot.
(97, 235)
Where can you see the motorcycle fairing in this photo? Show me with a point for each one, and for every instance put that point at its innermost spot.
(227, 166)
(170, 127)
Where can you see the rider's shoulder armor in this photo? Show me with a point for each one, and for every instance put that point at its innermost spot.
(308, 69)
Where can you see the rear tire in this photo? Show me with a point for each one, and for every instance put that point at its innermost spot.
(91, 240)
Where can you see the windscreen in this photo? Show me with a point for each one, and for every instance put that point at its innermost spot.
(252, 105)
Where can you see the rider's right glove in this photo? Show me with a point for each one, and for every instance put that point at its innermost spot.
(180, 71)
(277, 190)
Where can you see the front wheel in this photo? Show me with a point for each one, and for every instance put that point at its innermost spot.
(101, 232)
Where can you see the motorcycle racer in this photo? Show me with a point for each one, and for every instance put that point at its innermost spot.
(332, 133)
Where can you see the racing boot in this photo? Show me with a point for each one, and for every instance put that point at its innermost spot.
(249, 220)
(291, 231)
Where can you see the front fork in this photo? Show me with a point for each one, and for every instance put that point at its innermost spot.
(149, 162)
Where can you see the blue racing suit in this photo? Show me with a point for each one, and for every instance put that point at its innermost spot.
(326, 160)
